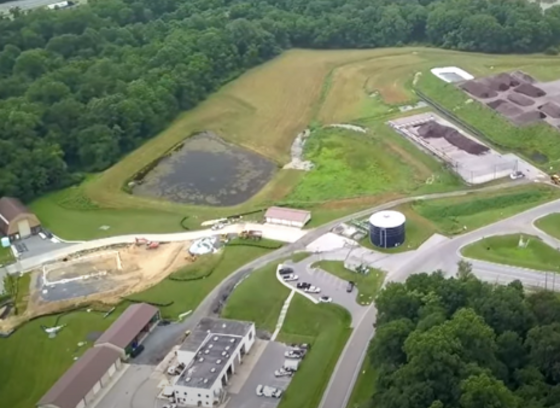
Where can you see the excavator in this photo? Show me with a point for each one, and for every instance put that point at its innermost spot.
(251, 234)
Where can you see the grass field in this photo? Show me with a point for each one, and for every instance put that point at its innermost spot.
(31, 362)
(187, 295)
(327, 328)
(367, 285)
(364, 388)
(505, 249)
(456, 215)
(550, 224)
(6, 256)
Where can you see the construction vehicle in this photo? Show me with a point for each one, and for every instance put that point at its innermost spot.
(191, 258)
(251, 234)
(141, 241)
(555, 178)
(152, 245)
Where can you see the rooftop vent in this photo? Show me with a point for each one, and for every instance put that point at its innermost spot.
(223, 353)
(205, 380)
(213, 370)
(232, 341)
(227, 347)
(210, 346)
(201, 359)
(219, 361)
(187, 379)
(206, 351)
(224, 325)
(216, 338)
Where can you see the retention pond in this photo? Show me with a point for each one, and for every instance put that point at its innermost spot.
(206, 170)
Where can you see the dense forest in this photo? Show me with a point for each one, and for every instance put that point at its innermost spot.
(462, 343)
(81, 87)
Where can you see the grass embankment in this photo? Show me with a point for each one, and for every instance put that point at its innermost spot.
(6, 256)
(550, 224)
(32, 362)
(327, 327)
(367, 285)
(505, 249)
(538, 142)
(465, 213)
(187, 295)
(364, 388)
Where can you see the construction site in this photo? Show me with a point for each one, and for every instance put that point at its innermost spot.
(518, 97)
(106, 274)
(474, 162)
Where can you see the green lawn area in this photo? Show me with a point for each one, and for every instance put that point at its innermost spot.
(327, 328)
(364, 387)
(31, 362)
(465, 213)
(6, 256)
(367, 285)
(187, 295)
(418, 229)
(22, 298)
(550, 224)
(505, 249)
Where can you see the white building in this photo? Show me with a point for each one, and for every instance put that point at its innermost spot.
(212, 353)
(287, 216)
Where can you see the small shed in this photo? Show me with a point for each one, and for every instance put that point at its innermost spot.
(287, 216)
(16, 221)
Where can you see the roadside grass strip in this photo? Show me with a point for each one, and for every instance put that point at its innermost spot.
(367, 284)
(520, 250)
(550, 225)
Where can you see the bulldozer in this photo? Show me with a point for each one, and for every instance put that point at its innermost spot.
(141, 241)
(251, 234)
(152, 245)
(555, 178)
(191, 257)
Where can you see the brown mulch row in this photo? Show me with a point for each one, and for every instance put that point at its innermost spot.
(432, 129)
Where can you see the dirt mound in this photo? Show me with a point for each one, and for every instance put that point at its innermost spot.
(551, 109)
(523, 77)
(504, 107)
(433, 129)
(529, 117)
(530, 90)
(501, 82)
(479, 90)
(520, 100)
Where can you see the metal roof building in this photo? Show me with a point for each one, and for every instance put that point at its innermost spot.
(79, 386)
(130, 328)
(287, 216)
(16, 221)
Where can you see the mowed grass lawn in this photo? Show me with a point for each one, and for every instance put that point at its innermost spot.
(32, 362)
(505, 249)
(187, 295)
(367, 285)
(550, 224)
(6, 256)
(326, 327)
(364, 388)
(456, 215)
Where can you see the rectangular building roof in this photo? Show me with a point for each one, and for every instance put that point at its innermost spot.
(10, 208)
(128, 325)
(288, 214)
(80, 378)
(209, 325)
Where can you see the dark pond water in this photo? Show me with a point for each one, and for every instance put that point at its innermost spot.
(207, 171)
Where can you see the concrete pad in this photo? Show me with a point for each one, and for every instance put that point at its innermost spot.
(433, 241)
(330, 242)
(251, 359)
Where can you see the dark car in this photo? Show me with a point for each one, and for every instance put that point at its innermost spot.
(350, 286)
(285, 271)
(137, 351)
(303, 285)
(164, 323)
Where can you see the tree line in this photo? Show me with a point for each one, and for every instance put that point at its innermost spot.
(81, 87)
(462, 343)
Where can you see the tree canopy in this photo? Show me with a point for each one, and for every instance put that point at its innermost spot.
(462, 343)
(81, 87)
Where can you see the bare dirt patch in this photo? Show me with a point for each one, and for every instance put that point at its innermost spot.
(504, 107)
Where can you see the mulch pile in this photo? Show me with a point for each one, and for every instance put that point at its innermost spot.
(520, 100)
(479, 90)
(505, 108)
(530, 90)
(529, 117)
(501, 82)
(432, 129)
(551, 109)
(523, 77)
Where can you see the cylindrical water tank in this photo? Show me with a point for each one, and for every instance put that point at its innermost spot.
(387, 229)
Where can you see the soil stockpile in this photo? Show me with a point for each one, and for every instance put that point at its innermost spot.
(433, 129)
(479, 90)
(523, 77)
(520, 100)
(530, 90)
(551, 109)
(505, 108)
(501, 82)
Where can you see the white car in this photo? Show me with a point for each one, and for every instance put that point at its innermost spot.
(312, 289)
(294, 354)
(267, 391)
(282, 372)
(172, 370)
(218, 226)
(290, 278)
(516, 175)
(170, 406)
(325, 299)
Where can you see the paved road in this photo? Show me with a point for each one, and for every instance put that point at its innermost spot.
(26, 4)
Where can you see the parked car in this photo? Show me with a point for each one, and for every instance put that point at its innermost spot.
(164, 323)
(268, 391)
(325, 299)
(301, 346)
(137, 351)
(312, 289)
(303, 285)
(170, 406)
(350, 286)
(290, 278)
(516, 175)
(295, 354)
(284, 270)
(42, 235)
(282, 372)
(218, 226)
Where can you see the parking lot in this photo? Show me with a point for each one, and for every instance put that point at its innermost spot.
(330, 286)
(271, 359)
